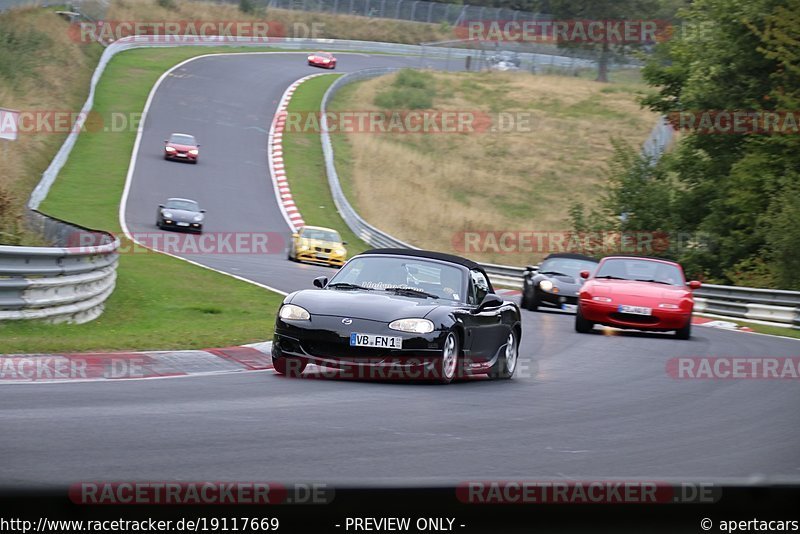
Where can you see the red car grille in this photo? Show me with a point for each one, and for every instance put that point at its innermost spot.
(634, 319)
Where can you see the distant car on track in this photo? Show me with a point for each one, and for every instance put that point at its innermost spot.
(182, 147)
(180, 214)
(322, 59)
(556, 281)
(399, 313)
(639, 293)
(316, 244)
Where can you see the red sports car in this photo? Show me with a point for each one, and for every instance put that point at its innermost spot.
(181, 147)
(325, 60)
(636, 292)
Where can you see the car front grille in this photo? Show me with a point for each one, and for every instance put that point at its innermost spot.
(321, 249)
(634, 318)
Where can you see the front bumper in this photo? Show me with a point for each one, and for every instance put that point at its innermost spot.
(325, 341)
(180, 156)
(320, 258)
(556, 299)
(173, 225)
(607, 313)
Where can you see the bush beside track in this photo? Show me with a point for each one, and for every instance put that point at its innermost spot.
(160, 302)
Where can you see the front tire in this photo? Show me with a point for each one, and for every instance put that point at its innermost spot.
(506, 363)
(582, 325)
(291, 367)
(446, 366)
(685, 332)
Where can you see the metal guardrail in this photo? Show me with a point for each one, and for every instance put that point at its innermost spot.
(769, 306)
(68, 282)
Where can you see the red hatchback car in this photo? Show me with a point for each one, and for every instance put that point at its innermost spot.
(182, 147)
(325, 60)
(639, 293)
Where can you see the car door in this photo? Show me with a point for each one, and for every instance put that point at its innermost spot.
(483, 328)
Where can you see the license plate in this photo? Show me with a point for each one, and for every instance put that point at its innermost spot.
(635, 310)
(372, 340)
(182, 224)
(181, 155)
(569, 307)
(322, 256)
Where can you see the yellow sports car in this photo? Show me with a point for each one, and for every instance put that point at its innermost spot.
(315, 244)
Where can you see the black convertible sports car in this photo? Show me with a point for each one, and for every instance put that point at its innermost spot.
(180, 214)
(556, 282)
(397, 313)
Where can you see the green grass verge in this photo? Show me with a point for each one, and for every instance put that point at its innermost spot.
(159, 302)
(305, 166)
(766, 329)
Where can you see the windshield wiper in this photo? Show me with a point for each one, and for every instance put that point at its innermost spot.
(609, 277)
(556, 273)
(411, 292)
(654, 281)
(347, 285)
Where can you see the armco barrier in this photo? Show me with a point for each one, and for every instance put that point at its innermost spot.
(68, 282)
(769, 306)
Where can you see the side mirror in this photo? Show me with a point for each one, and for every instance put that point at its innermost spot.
(202, 211)
(197, 145)
(166, 141)
(694, 284)
(344, 242)
(489, 301)
(161, 205)
(585, 274)
(532, 268)
(321, 282)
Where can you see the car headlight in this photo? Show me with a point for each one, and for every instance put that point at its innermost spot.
(668, 306)
(169, 149)
(193, 152)
(339, 251)
(167, 214)
(546, 285)
(414, 326)
(198, 218)
(311, 58)
(601, 299)
(293, 312)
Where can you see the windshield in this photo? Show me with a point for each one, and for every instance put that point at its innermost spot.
(643, 270)
(186, 205)
(417, 274)
(320, 235)
(567, 266)
(181, 139)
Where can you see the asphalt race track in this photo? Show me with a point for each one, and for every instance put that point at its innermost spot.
(581, 406)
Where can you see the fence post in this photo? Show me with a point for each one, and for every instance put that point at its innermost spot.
(414, 10)
(397, 11)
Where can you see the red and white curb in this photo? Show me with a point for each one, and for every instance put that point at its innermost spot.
(90, 367)
(275, 158)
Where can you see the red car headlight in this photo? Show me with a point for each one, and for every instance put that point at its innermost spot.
(169, 149)
(668, 306)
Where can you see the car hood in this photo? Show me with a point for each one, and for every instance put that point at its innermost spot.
(624, 288)
(369, 305)
(565, 284)
(176, 146)
(181, 215)
(319, 243)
